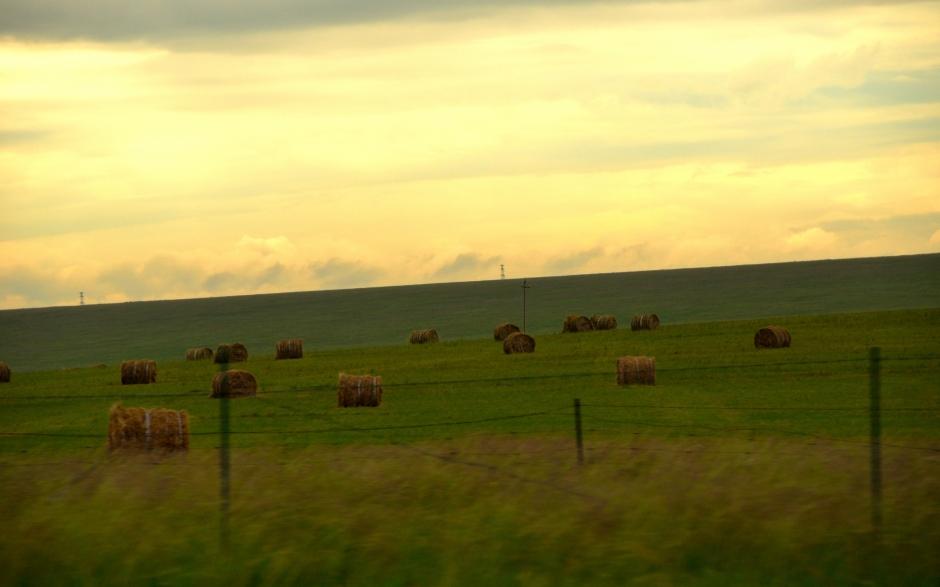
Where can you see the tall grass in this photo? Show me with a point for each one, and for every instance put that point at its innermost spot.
(489, 510)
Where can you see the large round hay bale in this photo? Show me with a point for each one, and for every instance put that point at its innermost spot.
(199, 354)
(772, 337)
(4, 372)
(644, 322)
(603, 322)
(234, 383)
(357, 391)
(138, 372)
(291, 348)
(636, 371)
(518, 342)
(231, 353)
(147, 429)
(503, 330)
(577, 324)
(423, 336)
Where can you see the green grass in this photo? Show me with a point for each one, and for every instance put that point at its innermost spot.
(741, 466)
(50, 338)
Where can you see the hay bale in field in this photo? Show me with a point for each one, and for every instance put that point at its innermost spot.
(359, 391)
(518, 342)
(234, 383)
(603, 322)
(290, 348)
(644, 322)
(231, 353)
(423, 336)
(577, 324)
(147, 429)
(4, 372)
(503, 330)
(636, 371)
(772, 337)
(199, 354)
(138, 372)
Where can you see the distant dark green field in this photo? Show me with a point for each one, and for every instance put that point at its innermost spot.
(50, 338)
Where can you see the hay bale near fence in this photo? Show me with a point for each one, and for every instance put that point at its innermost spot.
(772, 337)
(138, 372)
(199, 354)
(518, 342)
(636, 371)
(290, 348)
(644, 322)
(423, 336)
(147, 429)
(503, 330)
(357, 391)
(231, 353)
(604, 322)
(577, 324)
(234, 383)
(4, 372)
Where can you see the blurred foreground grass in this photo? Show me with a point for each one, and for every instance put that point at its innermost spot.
(481, 511)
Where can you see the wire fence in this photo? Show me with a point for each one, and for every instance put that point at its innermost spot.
(502, 380)
(604, 415)
(334, 426)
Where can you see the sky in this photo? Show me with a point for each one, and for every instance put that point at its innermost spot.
(192, 148)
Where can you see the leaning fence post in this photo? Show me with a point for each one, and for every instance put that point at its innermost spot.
(874, 387)
(577, 430)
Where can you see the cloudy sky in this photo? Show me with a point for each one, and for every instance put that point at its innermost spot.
(191, 148)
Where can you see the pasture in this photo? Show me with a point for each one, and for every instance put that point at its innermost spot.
(52, 338)
(739, 466)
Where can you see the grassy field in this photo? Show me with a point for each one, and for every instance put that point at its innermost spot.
(741, 466)
(51, 338)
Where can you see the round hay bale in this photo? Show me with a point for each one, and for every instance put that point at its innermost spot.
(199, 354)
(423, 336)
(772, 337)
(138, 372)
(636, 371)
(503, 330)
(577, 324)
(234, 383)
(4, 372)
(644, 322)
(518, 342)
(147, 429)
(603, 322)
(291, 348)
(357, 391)
(231, 353)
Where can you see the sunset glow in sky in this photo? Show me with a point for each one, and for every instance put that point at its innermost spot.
(201, 148)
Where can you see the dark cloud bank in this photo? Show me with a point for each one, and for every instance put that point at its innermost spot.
(123, 20)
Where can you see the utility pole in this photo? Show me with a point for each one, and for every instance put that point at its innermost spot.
(525, 286)
(502, 271)
(81, 298)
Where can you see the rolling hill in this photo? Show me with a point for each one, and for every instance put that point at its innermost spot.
(44, 338)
